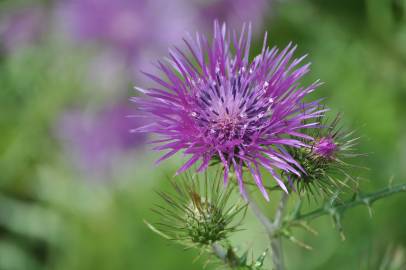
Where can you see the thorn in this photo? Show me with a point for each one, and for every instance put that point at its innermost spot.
(155, 230)
(367, 203)
(300, 243)
(308, 228)
(294, 240)
(370, 210)
(337, 224)
(390, 181)
(342, 236)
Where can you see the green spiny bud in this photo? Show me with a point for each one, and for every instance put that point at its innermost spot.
(323, 159)
(198, 212)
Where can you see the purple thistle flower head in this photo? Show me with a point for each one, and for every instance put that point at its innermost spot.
(219, 105)
(325, 147)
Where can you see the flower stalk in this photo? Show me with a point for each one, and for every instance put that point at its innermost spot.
(276, 238)
(272, 228)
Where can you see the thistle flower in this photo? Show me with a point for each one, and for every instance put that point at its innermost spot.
(198, 213)
(325, 160)
(218, 105)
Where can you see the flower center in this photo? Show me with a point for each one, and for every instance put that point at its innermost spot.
(231, 108)
(226, 128)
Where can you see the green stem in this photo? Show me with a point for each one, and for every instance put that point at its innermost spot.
(366, 199)
(276, 239)
(272, 229)
(277, 253)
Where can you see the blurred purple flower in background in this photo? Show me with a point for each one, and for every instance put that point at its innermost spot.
(227, 108)
(233, 12)
(132, 24)
(127, 25)
(21, 26)
(116, 22)
(96, 141)
(139, 29)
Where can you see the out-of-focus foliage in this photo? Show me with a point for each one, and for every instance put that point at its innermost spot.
(55, 216)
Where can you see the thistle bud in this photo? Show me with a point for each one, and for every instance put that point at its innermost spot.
(198, 212)
(323, 159)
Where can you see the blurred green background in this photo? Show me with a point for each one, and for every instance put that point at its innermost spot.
(75, 186)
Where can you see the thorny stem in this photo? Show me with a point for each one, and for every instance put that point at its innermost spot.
(272, 229)
(366, 199)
